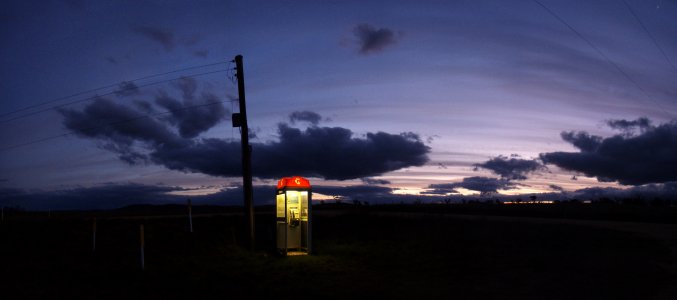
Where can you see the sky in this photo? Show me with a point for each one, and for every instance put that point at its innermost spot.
(109, 103)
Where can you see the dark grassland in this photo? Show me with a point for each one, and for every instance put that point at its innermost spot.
(358, 253)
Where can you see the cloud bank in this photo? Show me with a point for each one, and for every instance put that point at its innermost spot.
(310, 117)
(173, 140)
(484, 185)
(374, 181)
(356, 192)
(107, 196)
(631, 158)
(326, 152)
(512, 168)
(112, 196)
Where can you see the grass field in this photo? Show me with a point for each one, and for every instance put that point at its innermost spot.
(379, 255)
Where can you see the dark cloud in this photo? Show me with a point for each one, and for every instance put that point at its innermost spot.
(630, 128)
(513, 168)
(356, 192)
(106, 120)
(126, 153)
(582, 140)
(214, 157)
(326, 152)
(666, 190)
(305, 116)
(431, 138)
(374, 181)
(642, 123)
(484, 185)
(156, 34)
(112, 196)
(596, 193)
(126, 88)
(117, 128)
(122, 129)
(234, 195)
(187, 86)
(441, 189)
(193, 115)
(108, 196)
(648, 157)
(143, 106)
(373, 40)
(647, 193)
(333, 152)
(555, 187)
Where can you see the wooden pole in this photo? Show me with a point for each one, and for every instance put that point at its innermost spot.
(142, 242)
(246, 154)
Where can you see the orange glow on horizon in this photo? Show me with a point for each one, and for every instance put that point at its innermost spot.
(530, 202)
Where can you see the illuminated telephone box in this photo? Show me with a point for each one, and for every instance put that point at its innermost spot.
(293, 208)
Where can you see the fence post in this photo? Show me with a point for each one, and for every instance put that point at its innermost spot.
(94, 235)
(190, 216)
(142, 242)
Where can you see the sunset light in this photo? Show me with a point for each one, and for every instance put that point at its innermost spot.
(401, 149)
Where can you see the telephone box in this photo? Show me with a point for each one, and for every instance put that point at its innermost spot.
(293, 211)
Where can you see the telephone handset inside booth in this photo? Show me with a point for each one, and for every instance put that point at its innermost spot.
(294, 217)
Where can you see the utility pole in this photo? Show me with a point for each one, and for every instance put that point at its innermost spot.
(240, 120)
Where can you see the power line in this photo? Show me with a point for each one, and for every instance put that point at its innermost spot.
(75, 131)
(618, 68)
(109, 86)
(650, 35)
(106, 94)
